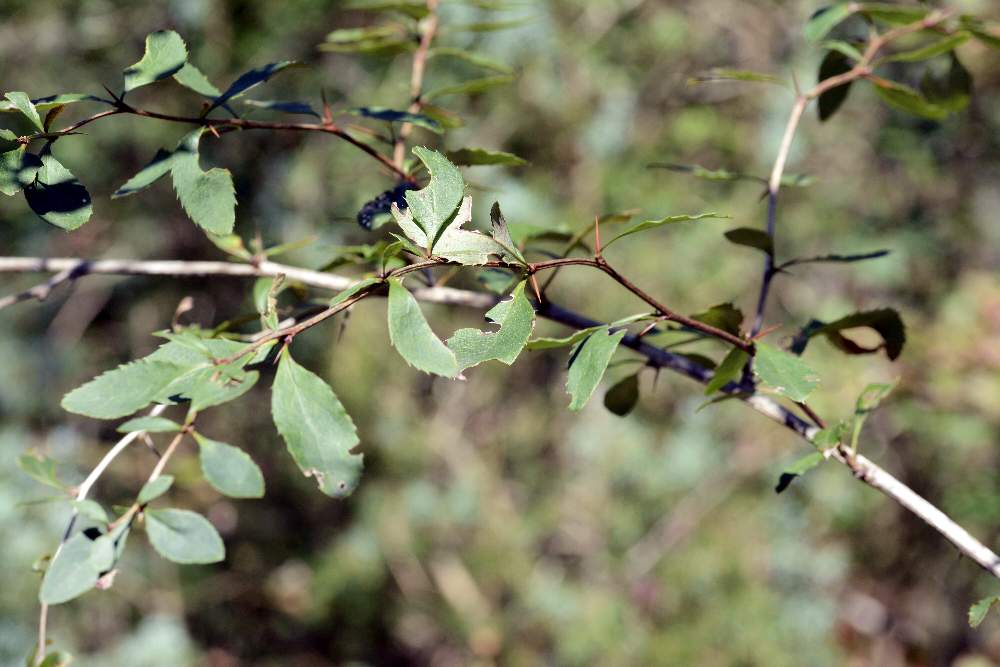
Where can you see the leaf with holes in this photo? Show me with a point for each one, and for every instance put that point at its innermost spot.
(516, 318)
(436, 204)
(317, 430)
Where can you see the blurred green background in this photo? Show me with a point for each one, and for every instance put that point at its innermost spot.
(491, 525)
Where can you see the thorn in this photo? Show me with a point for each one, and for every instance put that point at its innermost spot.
(327, 112)
(534, 286)
(211, 128)
(766, 331)
(597, 236)
(116, 98)
(649, 327)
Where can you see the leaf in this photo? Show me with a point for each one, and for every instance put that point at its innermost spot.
(56, 196)
(669, 220)
(884, 321)
(894, 14)
(154, 489)
(394, 116)
(904, 98)
(249, 80)
(208, 197)
(848, 49)
(165, 55)
(56, 659)
(317, 430)
(978, 611)
(516, 318)
(471, 86)
(302, 108)
(950, 89)
(454, 244)
(872, 397)
(751, 238)
(729, 370)
(49, 102)
(721, 74)
(589, 361)
(845, 259)
(622, 398)
(150, 425)
(75, 569)
(122, 391)
(553, 343)
(825, 20)
(784, 373)
(800, 467)
(184, 537)
(41, 469)
(412, 336)
(471, 57)
(161, 165)
(192, 78)
(938, 47)
(209, 387)
(501, 234)
(435, 205)
(475, 157)
(490, 26)
(724, 316)
(834, 64)
(22, 103)
(18, 169)
(229, 469)
(91, 510)
(413, 8)
(354, 289)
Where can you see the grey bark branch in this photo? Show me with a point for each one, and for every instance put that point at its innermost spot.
(863, 469)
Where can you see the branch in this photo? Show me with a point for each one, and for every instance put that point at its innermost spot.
(429, 29)
(863, 469)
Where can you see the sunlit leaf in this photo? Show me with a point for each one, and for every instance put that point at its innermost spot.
(516, 319)
(936, 48)
(56, 196)
(588, 363)
(229, 469)
(165, 55)
(412, 336)
(41, 469)
(784, 373)
(208, 197)
(192, 78)
(978, 611)
(729, 370)
(669, 220)
(435, 205)
(18, 169)
(22, 103)
(76, 568)
(474, 157)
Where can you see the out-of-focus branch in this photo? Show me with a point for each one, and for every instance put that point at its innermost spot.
(428, 29)
(863, 469)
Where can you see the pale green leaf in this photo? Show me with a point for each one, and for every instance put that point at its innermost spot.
(978, 611)
(150, 425)
(152, 490)
(49, 102)
(184, 537)
(566, 341)
(40, 469)
(208, 197)
(414, 8)
(23, 103)
(91, 510)
(76, 568)
(471, 57)
(669, 220)
(588, 363)
(165, 55)
(435, 205)
(412, 336)
(723, 74)
(826, 19)
(57, 197)
(474, 157)
(192, 78)
(18, 168)
(229, 469)
(729, 370)
(471, 86)
(784, 373)
(122, 391)
(317, 430)
(354, 289)
(516, 318)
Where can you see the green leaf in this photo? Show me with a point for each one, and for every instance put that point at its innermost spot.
(318, 431)
(834, 64)
(553, 343)
(894, 14)
(55, 659)
(229, 469)
(722, 74)
(846, 48)
(751, 238)
(936, 48)
(454, 244)
(978, 611)
(435, 205)
(825, 20)
(471, 57)
(872, 397)
(474, 157)
(784, 373)
(588, 362)
(49, 102)
(41, 469)
(18, 169)
(471, 86)
(490, 26)
(884, 321)
(501, 234)
(354, 289)
(302, 108)
(122, 391)
(165, 55)
(394, 116)
(835, 259)
(152, 490)
(724, 316)
(192, 78)
(622, 398)
(91, 510)
(800, 467)
(56, 196)
(249, 80)
(904, 98)
(23, 103)
(209, 387)
(75, 569)
(669, 220)
(413, 8)
(208, 197)
(949, 89)
(412, 336)
(831, 436)
(150, 425)
(728, 370)
(516, 318)
(184, 537)
(161, 165)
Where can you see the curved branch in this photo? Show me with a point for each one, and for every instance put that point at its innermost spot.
(863, 469)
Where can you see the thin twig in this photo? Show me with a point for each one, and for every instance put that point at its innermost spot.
(429, 27)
